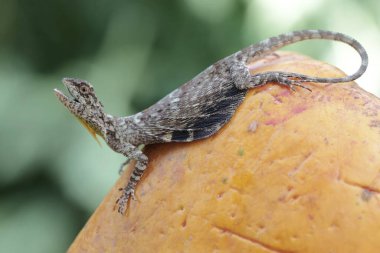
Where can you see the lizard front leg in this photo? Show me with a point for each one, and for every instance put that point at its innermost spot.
(125, 163)
(128, 192)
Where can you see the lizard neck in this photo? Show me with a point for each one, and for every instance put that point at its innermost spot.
(120, 130)
(94, 120)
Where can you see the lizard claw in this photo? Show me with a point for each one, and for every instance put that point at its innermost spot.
(122, 201)
(297, 83)
(291, 81)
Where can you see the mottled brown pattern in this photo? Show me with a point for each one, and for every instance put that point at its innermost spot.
(197, 109)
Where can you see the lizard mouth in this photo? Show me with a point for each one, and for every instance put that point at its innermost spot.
(70, 102)
(63, 98)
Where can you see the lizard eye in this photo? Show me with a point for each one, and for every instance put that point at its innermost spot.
(84, 89)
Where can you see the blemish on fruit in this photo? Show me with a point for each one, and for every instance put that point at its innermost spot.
(253, 126)
(299, 109)
(366, 195)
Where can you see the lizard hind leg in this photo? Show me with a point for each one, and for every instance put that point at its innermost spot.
(128, 192)
(284, 78)
(248, 81)
(243, 79)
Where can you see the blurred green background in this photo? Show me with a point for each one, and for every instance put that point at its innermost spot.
(52, 173)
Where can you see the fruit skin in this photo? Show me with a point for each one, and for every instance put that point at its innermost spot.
(291, 172)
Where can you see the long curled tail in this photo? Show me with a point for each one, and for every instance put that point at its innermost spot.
(269, 45)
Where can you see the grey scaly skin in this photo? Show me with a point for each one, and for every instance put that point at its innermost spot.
(197, 109)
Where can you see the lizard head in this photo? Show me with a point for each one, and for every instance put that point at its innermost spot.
(84, 104)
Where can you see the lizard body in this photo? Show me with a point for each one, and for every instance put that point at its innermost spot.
(197, 109)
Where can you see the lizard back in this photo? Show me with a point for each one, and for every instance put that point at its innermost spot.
(196, 110)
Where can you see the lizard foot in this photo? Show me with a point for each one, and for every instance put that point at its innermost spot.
(122, 201)
(284, 78)
(291, 80)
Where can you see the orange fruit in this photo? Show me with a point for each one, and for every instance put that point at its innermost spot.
(291, 172)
